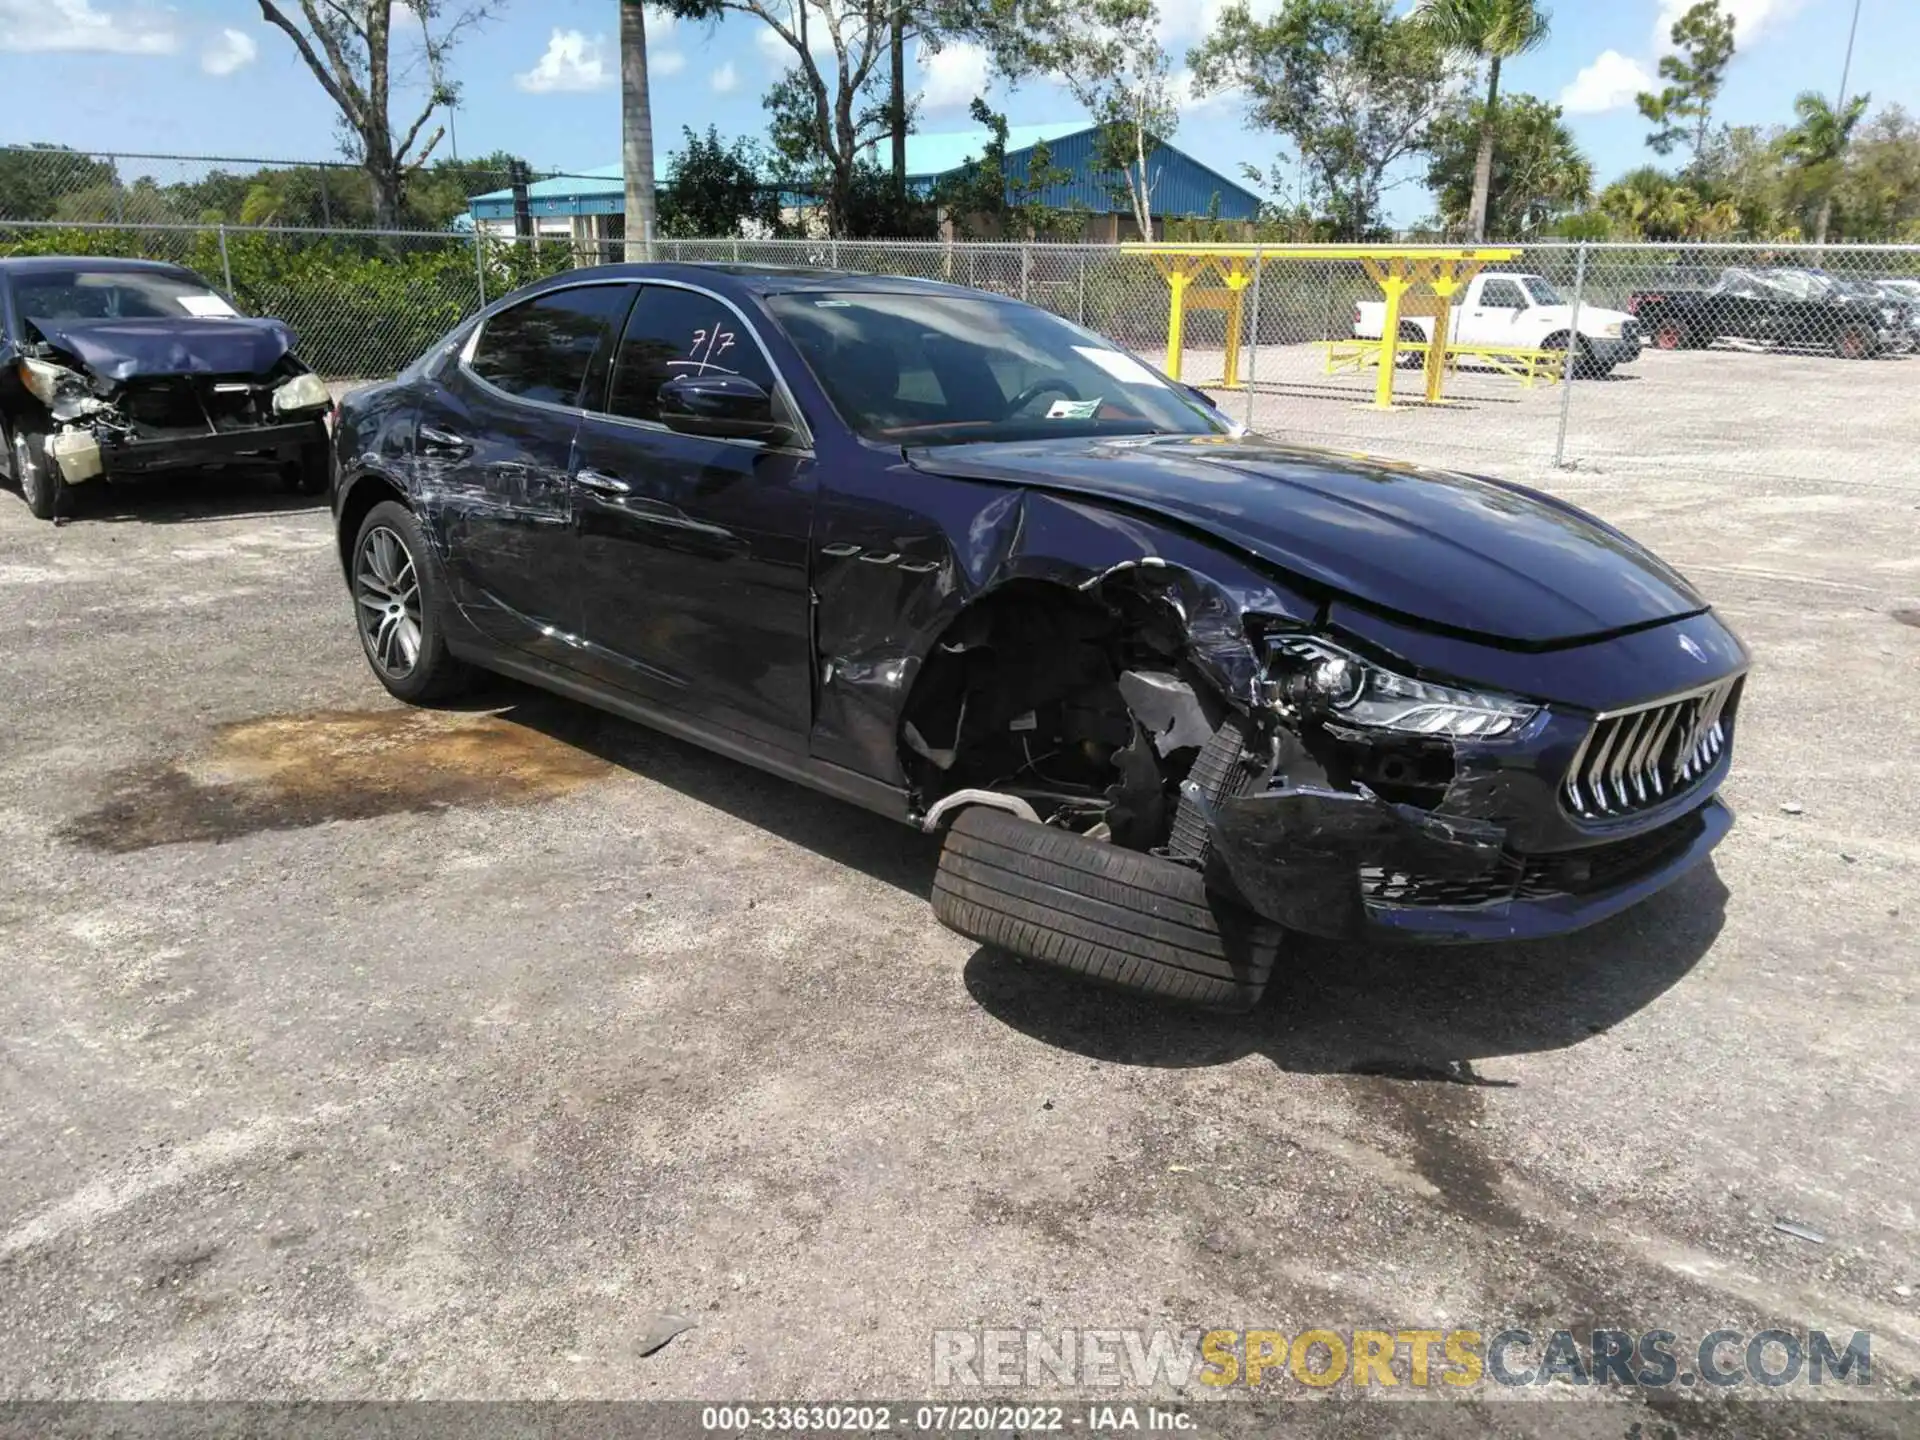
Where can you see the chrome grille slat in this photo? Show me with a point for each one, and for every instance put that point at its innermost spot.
(1632, 759)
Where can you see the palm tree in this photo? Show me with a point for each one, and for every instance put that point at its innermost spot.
(1493, 31)
(636, 127)
(1816, 146)
(1649, 204)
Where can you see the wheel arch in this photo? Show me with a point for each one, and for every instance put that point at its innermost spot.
(358, 496)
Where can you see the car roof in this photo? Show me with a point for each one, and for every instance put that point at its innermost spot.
(41, 264)
(770, 279)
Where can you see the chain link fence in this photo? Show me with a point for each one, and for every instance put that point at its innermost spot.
(1794, 363)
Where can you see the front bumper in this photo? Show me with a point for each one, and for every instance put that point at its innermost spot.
(143, 454)
(1623, 351)
(1349, 865)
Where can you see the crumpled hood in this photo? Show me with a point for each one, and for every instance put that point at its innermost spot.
(1449, 550)
(124, 349)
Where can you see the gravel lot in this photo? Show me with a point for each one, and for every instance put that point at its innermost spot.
(357, 1052)
(1784, 416)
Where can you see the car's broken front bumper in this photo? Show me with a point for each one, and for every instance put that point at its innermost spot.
(1349, 865)
(143, 454)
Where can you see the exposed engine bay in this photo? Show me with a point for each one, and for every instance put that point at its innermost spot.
(100, 421)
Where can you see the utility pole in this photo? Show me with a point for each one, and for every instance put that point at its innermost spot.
(1846, 69)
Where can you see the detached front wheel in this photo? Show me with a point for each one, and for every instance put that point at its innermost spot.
(1114, 916)
(399, 595)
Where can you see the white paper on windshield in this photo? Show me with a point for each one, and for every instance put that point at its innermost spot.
(1074, 409)
(1121, 366)
(206, 307)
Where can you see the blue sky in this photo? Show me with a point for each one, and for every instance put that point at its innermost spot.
(209, 76)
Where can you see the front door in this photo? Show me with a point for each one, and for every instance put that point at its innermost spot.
(1494, 318)
(493, 455)
(693, 551)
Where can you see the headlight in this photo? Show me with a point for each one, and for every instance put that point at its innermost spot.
(50, 384)
(1309, 673)
(1610, 332)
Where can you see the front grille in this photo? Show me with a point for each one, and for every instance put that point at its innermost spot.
(1535, 877)
(1639, 758)
(1629, 329)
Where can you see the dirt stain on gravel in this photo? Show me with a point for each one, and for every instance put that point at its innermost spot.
(293, 771)
(1908, 617)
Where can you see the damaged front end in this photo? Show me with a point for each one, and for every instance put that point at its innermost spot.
(1316, 782)
(104, 426)
(1370, 802)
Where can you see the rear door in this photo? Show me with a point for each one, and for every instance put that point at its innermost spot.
(493, 456)
(693, 551)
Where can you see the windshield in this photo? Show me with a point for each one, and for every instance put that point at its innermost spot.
(116, 295)
(1542, 292)
(933, 369)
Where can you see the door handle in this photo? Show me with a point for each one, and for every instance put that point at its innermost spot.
(442, 442)
(602, 483)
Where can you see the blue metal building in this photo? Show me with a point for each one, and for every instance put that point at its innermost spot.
(1182, 186)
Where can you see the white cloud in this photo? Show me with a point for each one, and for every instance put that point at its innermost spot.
(953, 75)
(1609, 83)
(1750, 18)
(45, 25)
(572, 63)
(229, 51)
(1187, 22)
(662, 63)
(1189, 101)
(780, 54)
(725, 80)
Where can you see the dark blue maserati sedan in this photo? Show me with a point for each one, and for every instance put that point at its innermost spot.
(1170, 691)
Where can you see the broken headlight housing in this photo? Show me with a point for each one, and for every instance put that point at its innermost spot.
(1308, 675)
(53, 385)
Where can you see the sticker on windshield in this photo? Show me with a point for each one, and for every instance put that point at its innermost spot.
(206, 307)
(1074, 409)
(1121, 366)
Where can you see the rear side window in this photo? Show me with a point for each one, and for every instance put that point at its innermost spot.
(541, 349)
(679, 332)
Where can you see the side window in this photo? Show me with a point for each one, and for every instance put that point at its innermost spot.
(540, 350)
(1502, 295)
(679, 332)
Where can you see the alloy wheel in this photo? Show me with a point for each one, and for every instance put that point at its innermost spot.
(386, 589)
(24, 473)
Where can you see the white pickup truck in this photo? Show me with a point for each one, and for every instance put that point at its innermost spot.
(1523, 311)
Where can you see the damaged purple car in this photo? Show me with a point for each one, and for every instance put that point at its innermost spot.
(1169, 691)
(113, 368)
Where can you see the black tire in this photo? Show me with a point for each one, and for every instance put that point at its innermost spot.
(1853, 344)
(41, 485)
(431, 673)
(309, 474)
(1116, 917)
(1411, 334)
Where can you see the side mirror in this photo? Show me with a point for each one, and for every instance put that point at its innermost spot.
(726, 407)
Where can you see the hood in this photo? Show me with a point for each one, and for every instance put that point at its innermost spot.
(1470, 555)
(124, 349)
(1590, 315)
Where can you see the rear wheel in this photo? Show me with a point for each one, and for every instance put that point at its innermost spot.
(40, 481)
(1113, 916)
(399, 599)
(1411, 334)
